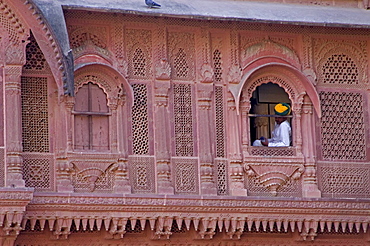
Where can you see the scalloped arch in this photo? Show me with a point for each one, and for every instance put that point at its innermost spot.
(301, 83)
(110, 85)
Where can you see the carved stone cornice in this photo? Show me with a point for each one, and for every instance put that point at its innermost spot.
(234, 215)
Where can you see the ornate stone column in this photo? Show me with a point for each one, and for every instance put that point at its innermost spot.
(162, 131)
(236, 169)
(121, 181)
(310, 188)
(13, 126)
(208, 184)
(64, 144)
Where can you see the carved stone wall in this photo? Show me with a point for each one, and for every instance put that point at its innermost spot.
(178, 167)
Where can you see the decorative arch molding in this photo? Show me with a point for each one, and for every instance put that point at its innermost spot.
(299, 81)
(109, 79)
(14, 25)
(353, 51)
(268, 51)
(25, 16)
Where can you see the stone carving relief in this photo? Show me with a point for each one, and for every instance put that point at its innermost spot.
(91, 176)
(163, 71)
(234, 74)
(268, 47)
(206, 73)
(274, 176)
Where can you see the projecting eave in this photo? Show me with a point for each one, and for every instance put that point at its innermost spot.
(277, 13)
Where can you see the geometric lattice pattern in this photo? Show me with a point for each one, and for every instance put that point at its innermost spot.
(181, 54)
(140, 127)
(183, 114)
(185, 176)
(35, 59)
(217, 65)
(344, 181)
(180, 64)
(139, 53)
(38, 171)
(142, 174)
(340, 69)
(139, 64)
(35, 124)
(346, 140)
(2, 167)
(220, 121)
(281, 151)
(221, 174)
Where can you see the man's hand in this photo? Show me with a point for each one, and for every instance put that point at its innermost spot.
(264, 141)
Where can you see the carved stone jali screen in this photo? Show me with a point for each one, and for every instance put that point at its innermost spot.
(119, 128)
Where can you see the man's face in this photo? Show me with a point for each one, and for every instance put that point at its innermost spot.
(279, 120)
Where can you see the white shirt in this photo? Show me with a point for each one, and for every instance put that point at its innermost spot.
(281, 135)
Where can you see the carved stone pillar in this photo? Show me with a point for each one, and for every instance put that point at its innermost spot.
(208, 185)
(64, 144)
(162, 134)
(310, 188)
(13, 123)
(113, 125)
(63, 168)
(122, 182)
(236, 169)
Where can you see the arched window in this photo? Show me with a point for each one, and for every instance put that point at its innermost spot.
(91, 122)
(262, 116)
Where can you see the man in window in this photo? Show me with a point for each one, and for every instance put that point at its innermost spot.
(281, 135)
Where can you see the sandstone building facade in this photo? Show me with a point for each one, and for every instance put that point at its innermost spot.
(126, 125)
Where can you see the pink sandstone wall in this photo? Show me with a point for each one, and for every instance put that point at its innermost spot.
(155, 147)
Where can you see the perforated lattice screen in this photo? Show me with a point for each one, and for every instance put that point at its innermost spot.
(181, 65)
(281, 151)
(138, 63)
(183, 114)
(12, 33)
(38, 171)
(140, 128)
(340, 69)
(344, 180)
(217, 65)
(220, 122)
(221, 172)
(182, 49)
(139, 53)
(342, 126)
(35, 124)
(142, 174)
(80, 38)
(186, 176)
(35, 59)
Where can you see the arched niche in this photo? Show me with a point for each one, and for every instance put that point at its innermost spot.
(112, 81)
(298, 84)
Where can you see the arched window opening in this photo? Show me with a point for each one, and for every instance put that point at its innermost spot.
(262, 116)
(91, 123)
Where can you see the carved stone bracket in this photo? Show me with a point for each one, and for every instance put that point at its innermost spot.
(13, 203)
(206, 73)
(207, 228)
(235, 74)
(274, 175)
(163, 228)
(163, 71)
